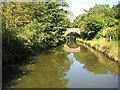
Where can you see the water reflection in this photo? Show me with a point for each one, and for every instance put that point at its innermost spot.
(68, 49)
(71, 46)
(96, 62)
(48, 72)
(87, 72)
(81, 78)
(56, 68)
(91, 69)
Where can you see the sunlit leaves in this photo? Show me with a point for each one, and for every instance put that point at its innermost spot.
(97, 18)
(33, 25)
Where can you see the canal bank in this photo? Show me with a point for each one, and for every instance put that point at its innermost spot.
(109, 49)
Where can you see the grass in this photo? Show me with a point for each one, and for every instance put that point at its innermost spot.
(109, 48)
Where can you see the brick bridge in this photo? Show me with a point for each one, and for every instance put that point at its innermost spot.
(68, 49)
(69, 30)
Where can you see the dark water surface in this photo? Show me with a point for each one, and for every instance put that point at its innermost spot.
(56, 68)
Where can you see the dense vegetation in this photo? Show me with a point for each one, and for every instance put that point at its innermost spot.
(29, 27)
(99, 28)
(96, 19)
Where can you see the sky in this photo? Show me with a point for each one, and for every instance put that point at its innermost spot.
(77, 6)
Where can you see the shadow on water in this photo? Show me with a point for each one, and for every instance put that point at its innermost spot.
(48, 71)
(14, 72)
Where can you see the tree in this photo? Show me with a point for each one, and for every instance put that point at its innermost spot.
(93, 20)
(32, 26)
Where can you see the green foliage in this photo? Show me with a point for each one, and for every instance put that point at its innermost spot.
(112, 32)
(96, 19)
(32, 26)
(116, 10)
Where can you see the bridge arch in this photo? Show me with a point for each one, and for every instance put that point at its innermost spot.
(69, 30)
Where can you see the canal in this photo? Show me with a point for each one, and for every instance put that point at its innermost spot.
(66, 67)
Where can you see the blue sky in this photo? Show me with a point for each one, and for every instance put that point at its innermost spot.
(77, 6)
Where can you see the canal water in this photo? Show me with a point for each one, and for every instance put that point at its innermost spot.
(63, 67)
